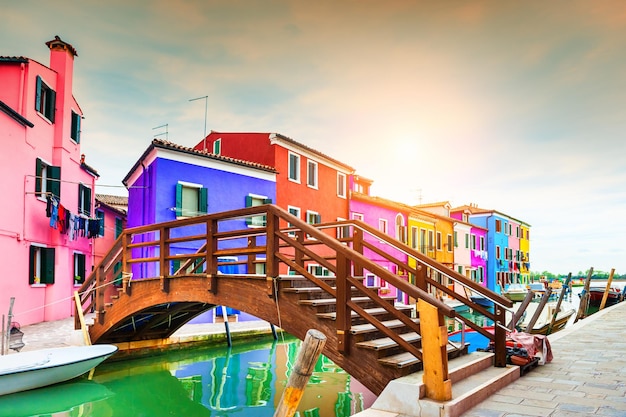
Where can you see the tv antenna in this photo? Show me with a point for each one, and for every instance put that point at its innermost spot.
(162, 133)
(206, 104)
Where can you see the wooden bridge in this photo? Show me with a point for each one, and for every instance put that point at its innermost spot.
(168, 273)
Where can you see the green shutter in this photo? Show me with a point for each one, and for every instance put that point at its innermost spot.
(38, 171)
(31, 266)
(119, 227)
(179, 200)
(175, 266)
(53, 181)
(80, 261)
(38, 95)
(249, 204)
(117, 274)
(47, 261)
(267, 201)
(88, 200)
(203, 204)
(51, 104)
(78, 121)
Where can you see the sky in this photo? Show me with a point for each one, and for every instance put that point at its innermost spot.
(515, 106)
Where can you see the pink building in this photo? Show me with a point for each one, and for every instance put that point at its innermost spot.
(47, 229)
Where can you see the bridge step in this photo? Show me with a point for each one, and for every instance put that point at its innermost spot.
(376, 311)
(389, 343)
(370, 328)
(333, 301)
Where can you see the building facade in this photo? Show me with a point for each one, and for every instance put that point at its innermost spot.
(48, 227)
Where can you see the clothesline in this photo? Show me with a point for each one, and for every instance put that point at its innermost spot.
(68, 223)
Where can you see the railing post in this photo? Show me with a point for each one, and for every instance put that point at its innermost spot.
(434, 346)
(100, 293)
(500, 337)
(343, 319)
(211, 259)
(272, 248)
(299, 256)
(357, 245)
(126, 274)
(250, 265)
(164, 252)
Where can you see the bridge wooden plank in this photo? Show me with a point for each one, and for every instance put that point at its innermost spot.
(434, 342)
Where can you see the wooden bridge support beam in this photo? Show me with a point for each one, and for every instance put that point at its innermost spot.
(434, 348)
(211, 259)
(272, 263)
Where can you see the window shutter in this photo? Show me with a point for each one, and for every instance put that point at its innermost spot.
(51, 104)
(81, 266)
(175, 266)
(318, 218)
(117, 274)
(179, 200)
(38, 170)
(78, 122)
(203, 204)
(47, 265)
(119, 227)
(100, 215)
(53, 181)
(38, 95)
(248, 204)
(267, 201)
(31, 266)
(88, 200)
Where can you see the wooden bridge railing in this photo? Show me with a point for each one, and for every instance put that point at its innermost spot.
(195, 246)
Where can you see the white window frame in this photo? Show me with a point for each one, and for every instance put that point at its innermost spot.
(297, 212)
(217, 146)
(341, 185)
(438, 241)
(383, 225)
(295, 169)
(358, 216)
(261, 220)
(311, 217)
(311, 174)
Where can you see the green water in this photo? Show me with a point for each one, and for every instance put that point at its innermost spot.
(245, 380)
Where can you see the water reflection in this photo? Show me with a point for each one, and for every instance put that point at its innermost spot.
(245, 380)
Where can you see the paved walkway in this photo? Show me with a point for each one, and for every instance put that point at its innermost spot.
(587, 376)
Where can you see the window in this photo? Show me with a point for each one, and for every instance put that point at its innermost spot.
(41, 269)
(84, 200)
(294, 167)
(313, 217)
(414, 237)
(75, 132)
(79, 268)
(342, 231)
(191, 199)
(431, 240)
(358, 216)
(400, 229)
(449, 243)
(318, 270)
(295, 211)
(456, 239)
(311, 177)
(45, 98)
(459, 269)
(423, 243)
(482, 243)
(217, 147)
(438, 241)
(100, 216)
(473, 241)
(253, 200)
(382, 225)
(498, 226)
(341, 185)
(497, 252)
(466, 241)
(119, 227)
(47, 179)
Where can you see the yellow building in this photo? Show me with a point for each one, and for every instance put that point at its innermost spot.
(524, 250)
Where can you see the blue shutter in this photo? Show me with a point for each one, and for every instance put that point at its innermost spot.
(179, 200)
(203, 204)
(38, 95)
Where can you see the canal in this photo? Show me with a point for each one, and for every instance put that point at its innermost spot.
(245, 380)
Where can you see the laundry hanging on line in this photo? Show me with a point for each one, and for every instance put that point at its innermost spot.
(68, 223)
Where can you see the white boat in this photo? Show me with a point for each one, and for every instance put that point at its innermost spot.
(39, 368)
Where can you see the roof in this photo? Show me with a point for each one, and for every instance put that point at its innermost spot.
(15, 115)
(14, 59)
(57, 43)
(381, 201)
(165, 144)
(314, 151)
(474, 209)
(115, 202)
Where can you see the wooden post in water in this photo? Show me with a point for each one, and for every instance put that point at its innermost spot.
(434, 348)
(558, 304)
(607, 289)
(521, 309)
(584, 300)
(305, 362)
(542, 304)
